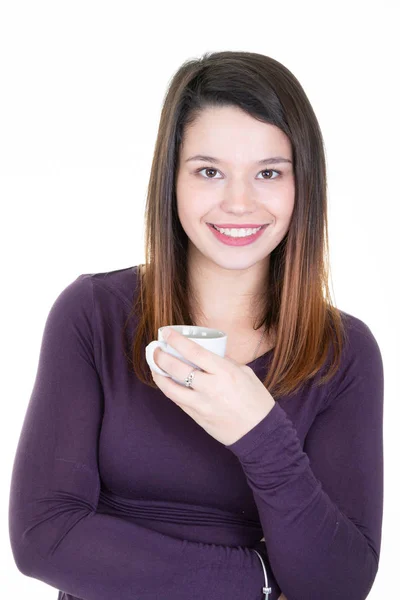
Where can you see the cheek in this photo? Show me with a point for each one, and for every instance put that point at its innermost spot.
(188, 218)
(281, 207)
(281, 204)
(192, 207)
(185, 214)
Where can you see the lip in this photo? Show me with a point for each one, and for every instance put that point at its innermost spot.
(233, 226)
(239, 241)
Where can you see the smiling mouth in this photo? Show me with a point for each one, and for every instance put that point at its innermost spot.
(241, 238)
(218, 228)
(238, 226)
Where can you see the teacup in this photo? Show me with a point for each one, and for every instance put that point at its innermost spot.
(210, 339)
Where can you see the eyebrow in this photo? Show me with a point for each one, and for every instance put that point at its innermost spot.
(264, 161)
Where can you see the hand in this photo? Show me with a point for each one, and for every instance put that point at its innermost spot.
(227, 399)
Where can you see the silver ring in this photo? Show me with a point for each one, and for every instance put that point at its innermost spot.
(189, 379)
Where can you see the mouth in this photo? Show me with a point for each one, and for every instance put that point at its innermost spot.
(231, 226)
(238, 240)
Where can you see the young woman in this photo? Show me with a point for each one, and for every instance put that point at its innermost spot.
(261, 476)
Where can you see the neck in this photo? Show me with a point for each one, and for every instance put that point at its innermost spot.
(223, 297)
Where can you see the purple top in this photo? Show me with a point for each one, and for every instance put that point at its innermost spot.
(117, 494)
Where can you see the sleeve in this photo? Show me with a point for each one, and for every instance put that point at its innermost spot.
(321, 508)
(55, 532)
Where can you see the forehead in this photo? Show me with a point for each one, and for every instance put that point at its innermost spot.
(231, 134)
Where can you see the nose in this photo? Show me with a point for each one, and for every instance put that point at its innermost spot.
(239, 200)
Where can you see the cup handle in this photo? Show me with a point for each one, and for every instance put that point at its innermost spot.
(150, 356)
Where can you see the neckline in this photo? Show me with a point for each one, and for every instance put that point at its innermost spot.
(261, 356)
(137, 268)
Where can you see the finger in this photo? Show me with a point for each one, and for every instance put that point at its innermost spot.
(179, 369)
(205, 359)
(186, 398)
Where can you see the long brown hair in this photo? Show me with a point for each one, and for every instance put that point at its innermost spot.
(298, 307)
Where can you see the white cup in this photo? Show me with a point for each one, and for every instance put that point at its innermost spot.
(210, 339)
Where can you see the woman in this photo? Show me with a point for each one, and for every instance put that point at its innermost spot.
(262, 475)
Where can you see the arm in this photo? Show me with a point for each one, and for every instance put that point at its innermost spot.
(55, 532)
(321, 508)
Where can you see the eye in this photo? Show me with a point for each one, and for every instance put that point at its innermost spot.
(216, 170)
(271, 171)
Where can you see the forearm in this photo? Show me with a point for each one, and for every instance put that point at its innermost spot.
(101, 557)
(302, 525)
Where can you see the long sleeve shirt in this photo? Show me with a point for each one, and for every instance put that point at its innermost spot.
(117, 494)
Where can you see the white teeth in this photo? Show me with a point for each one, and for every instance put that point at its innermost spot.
(238, 232)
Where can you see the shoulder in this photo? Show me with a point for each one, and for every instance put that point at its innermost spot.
(361, 360)
(359, 341)
(119, 283)
(78, 297)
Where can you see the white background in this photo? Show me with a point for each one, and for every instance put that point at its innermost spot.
(82, 85)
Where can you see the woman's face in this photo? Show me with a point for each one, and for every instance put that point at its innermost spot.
(237, 189)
